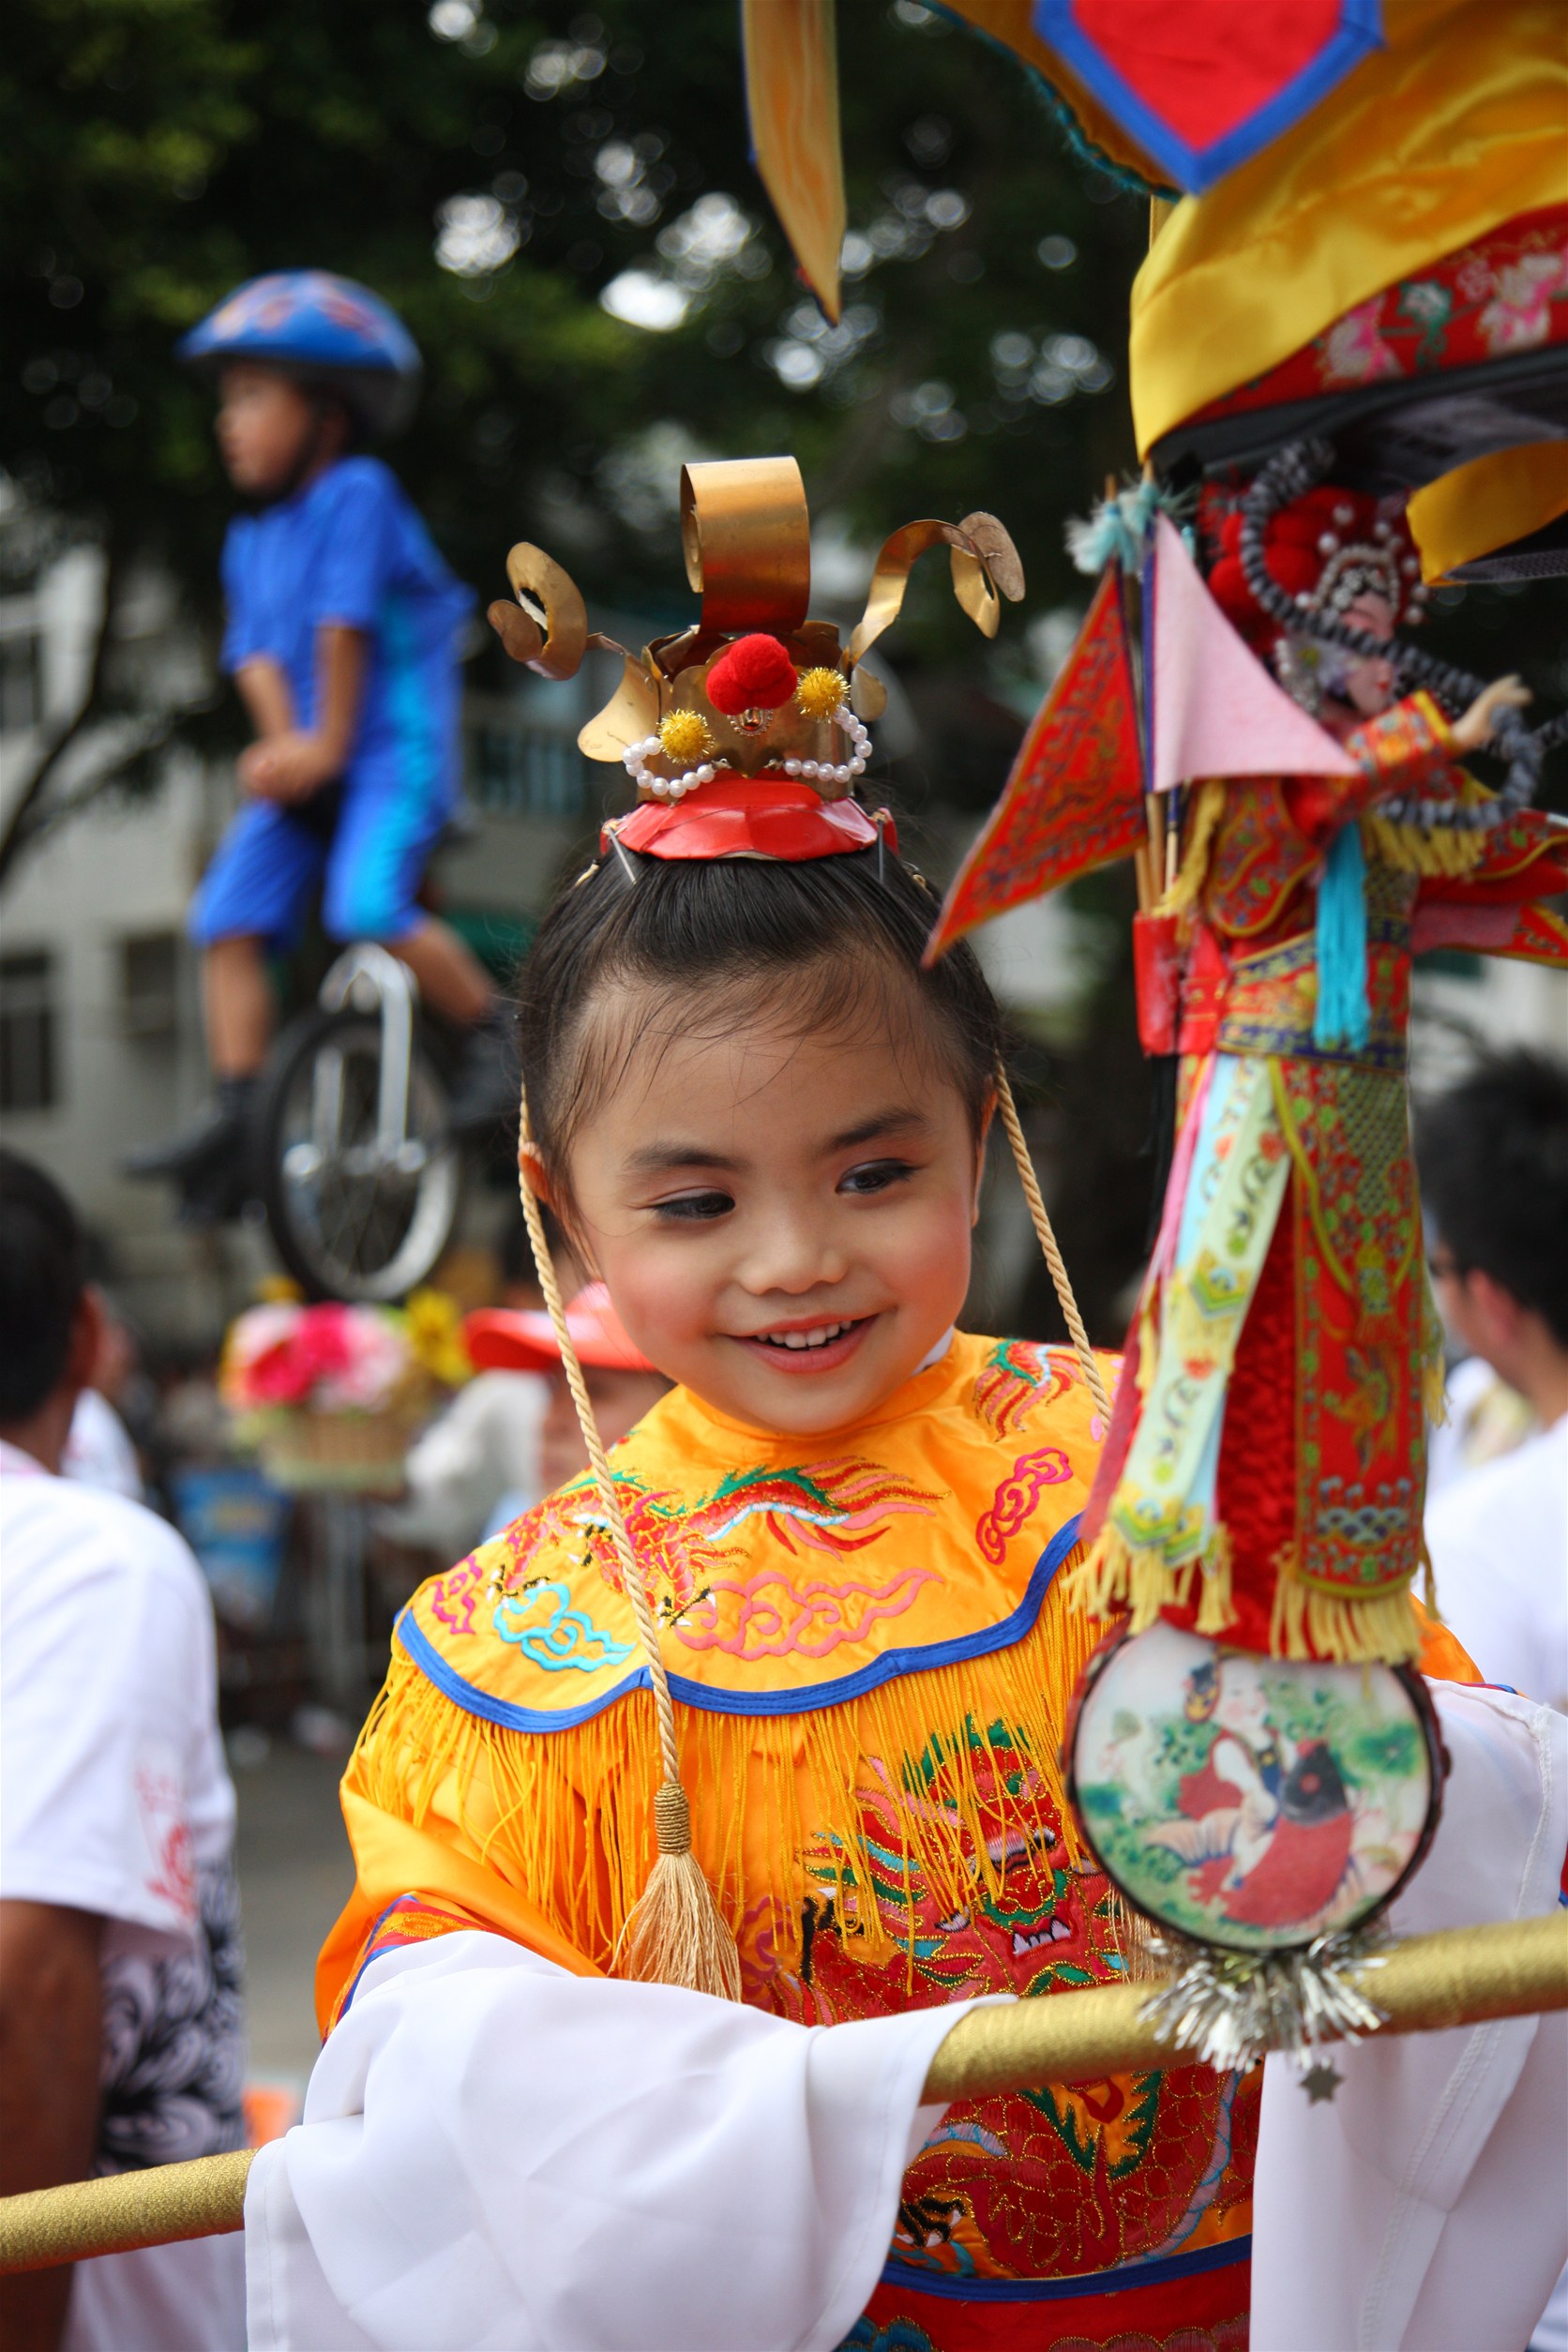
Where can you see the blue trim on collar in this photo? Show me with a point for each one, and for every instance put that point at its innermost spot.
(912, 2280)
(889, 1667)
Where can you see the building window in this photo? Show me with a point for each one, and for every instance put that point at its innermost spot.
(29, 1060)
(20, 689)
(149, 985)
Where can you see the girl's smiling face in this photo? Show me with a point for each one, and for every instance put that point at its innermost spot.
(783, 1223)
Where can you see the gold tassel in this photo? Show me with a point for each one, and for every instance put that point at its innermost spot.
(676, 1935)
(1184, 892)
(1215, 1607)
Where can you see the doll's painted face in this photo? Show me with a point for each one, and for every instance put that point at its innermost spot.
(783, 1221)
(1369, 684)
(1241, 1703)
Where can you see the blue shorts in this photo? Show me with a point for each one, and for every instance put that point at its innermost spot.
(370, 840)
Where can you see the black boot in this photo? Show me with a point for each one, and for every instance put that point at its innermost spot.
(485, 1092)
(211, 1161)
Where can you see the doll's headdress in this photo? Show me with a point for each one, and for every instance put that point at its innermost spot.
(746, 733)
(1323, 548)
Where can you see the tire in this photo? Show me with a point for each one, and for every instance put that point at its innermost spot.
(346, 1224)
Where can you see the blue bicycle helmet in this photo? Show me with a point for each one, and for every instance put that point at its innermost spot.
(326, 330)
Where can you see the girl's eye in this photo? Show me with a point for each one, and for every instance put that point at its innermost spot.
(688, 1208)
(876, 1176)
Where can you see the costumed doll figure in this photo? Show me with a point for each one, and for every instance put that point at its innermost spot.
(1264, 1479)
(697, 1804)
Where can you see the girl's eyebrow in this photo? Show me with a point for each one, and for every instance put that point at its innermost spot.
(901, 1119)
(657, 1159)
(660, 1159)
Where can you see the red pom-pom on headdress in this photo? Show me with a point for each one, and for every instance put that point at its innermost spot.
(755, 675)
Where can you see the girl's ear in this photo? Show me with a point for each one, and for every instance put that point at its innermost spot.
(531, 1168)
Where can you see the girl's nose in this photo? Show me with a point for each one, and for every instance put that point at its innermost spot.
(794, 1257)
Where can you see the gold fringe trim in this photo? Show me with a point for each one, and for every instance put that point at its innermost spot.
(782, 1807)
(1311, 1623)
(1182, 895)
(1412, 850)
(1137, 1580)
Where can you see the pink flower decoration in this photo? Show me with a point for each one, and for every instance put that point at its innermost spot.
(1354, 352)
(1519, 313)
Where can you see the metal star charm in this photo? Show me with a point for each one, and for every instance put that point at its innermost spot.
(1320, 2082)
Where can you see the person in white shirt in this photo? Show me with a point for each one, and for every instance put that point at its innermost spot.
(1494, 1170)
(121, 2016)
(1494, 1173)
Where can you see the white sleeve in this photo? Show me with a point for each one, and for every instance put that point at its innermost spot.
(109, 1712)
(1424, 2208)
(496, 2153)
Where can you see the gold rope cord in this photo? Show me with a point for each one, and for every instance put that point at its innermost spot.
(1425, 1984)
(676, 1934)
(1047, 1241)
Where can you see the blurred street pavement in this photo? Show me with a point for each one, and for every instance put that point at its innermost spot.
(295, 1873)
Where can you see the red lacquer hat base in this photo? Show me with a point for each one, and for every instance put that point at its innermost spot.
(764, 816)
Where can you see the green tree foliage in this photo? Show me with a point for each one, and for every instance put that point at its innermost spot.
(156, 152)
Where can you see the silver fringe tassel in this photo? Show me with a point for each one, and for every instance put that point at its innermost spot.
(1228, 2009)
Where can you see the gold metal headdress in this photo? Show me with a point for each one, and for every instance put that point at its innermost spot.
(753, 693)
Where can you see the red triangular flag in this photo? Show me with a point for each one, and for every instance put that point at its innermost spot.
(1075, 798)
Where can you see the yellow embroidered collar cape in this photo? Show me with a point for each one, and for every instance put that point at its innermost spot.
(816, 1598)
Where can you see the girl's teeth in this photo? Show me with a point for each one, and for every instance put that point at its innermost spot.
(806, 1338)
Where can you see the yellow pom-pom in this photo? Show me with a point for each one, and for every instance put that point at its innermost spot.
(684, 737)
(821, 693)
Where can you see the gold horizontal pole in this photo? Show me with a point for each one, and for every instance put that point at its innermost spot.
(1425, 1984)
(1460, 1977)
(157, 2206)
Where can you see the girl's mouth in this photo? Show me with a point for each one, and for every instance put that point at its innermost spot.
(808, 1347)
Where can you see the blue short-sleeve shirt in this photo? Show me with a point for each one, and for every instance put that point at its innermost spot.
(351, 549)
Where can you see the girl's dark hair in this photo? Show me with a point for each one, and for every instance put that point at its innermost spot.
(727, 938)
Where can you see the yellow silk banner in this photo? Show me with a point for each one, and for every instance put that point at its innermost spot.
(791, 88)
(1455, 126)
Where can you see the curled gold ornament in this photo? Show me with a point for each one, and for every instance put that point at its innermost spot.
(985, 565)
(747, 537)
(546, 629)
(631, 713)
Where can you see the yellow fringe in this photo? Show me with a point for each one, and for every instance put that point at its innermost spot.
(1182, 895)
(1215, 1608)
(778, 1802)
(1309, 1623)
(1138, 1581)
(1413, 849)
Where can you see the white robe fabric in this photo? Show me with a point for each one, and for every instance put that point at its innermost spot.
(495, 2153)
(1424, 2209)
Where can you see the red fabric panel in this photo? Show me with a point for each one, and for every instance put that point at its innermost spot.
(1208, 65)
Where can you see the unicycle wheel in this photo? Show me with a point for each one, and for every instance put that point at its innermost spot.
(353, 1215)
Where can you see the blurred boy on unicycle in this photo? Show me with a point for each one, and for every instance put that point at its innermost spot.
(343, 638)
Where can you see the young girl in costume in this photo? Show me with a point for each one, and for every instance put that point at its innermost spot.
(768, 1704)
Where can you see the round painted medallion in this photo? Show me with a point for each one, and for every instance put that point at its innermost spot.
(1250, 1801)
